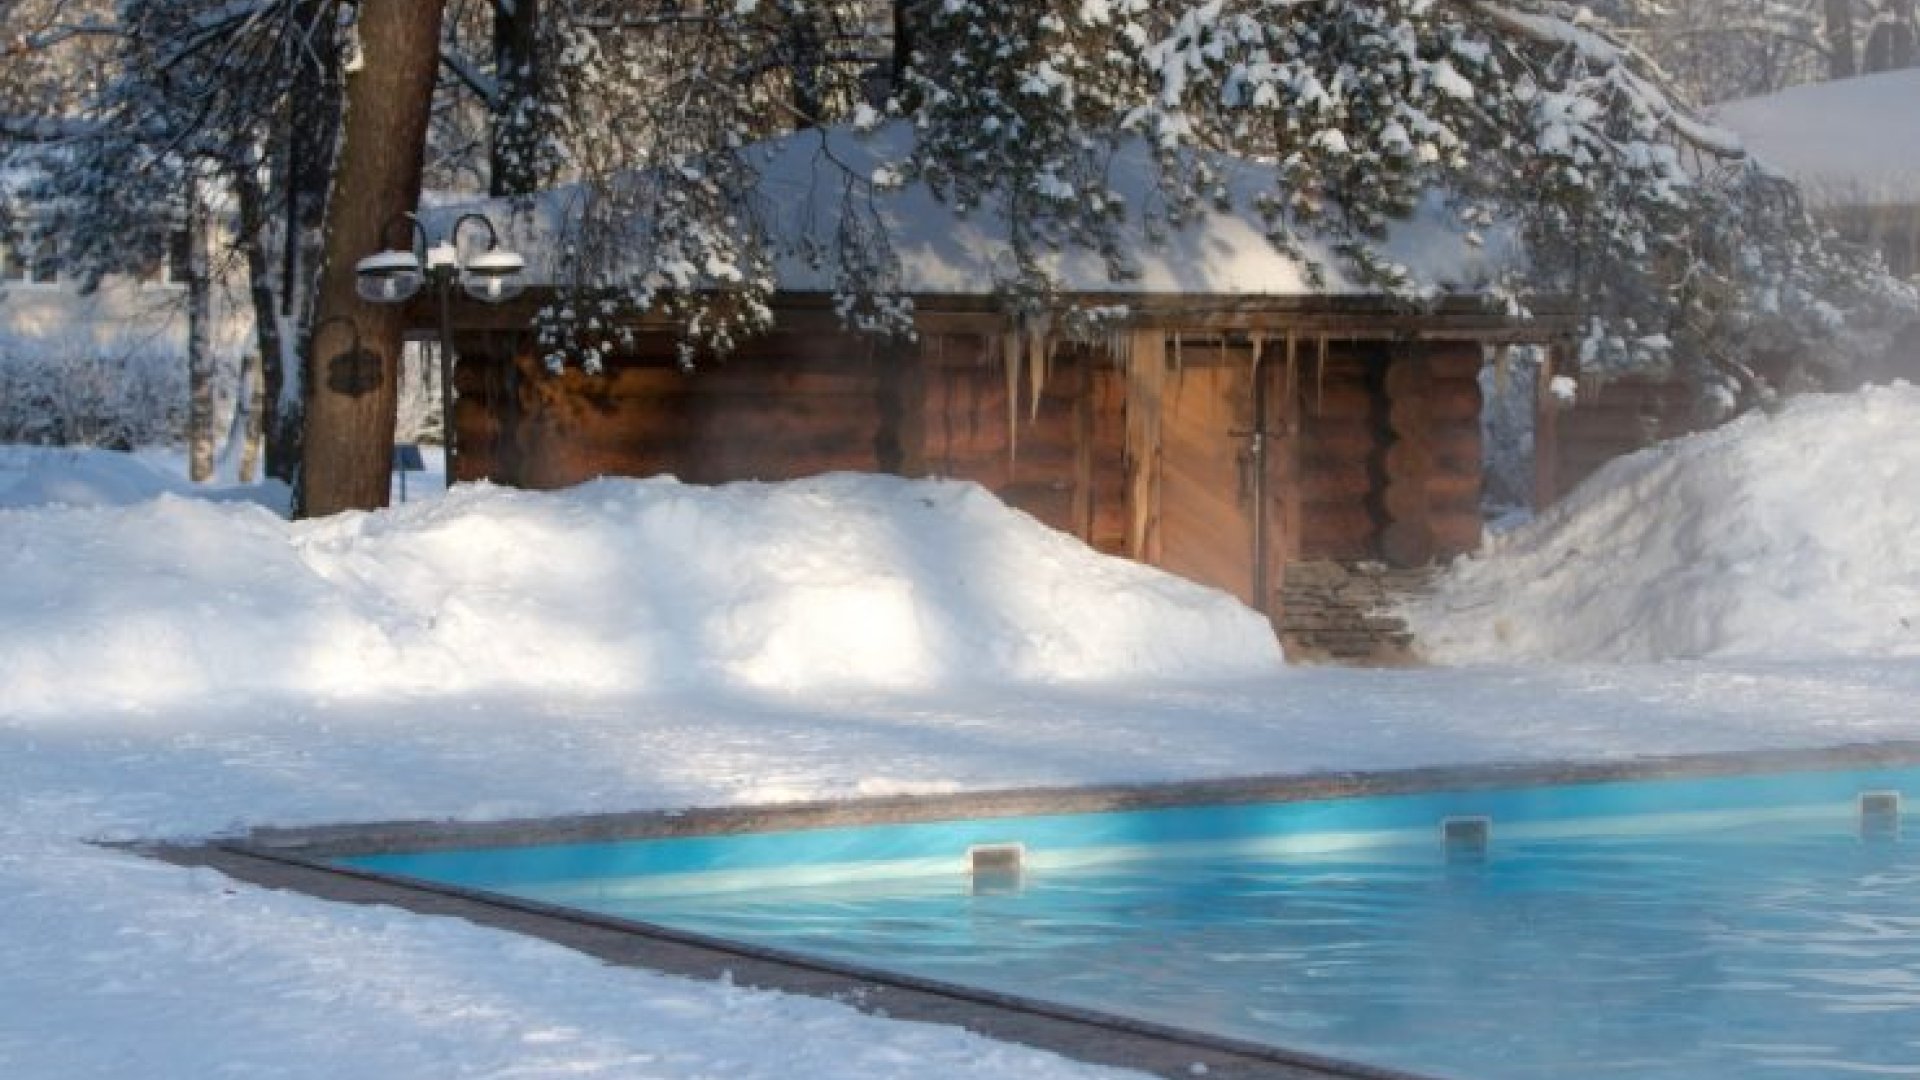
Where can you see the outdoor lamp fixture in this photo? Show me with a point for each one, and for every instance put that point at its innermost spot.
(492, 275)
(354, 372)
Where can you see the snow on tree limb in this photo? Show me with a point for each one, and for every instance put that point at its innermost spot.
(1599, 50)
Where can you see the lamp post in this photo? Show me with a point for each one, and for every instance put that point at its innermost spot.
(492, 275)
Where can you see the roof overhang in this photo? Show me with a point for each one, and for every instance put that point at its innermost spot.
(1465, 317)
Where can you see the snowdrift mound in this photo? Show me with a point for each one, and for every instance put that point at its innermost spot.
(1791, 535)
(840, 581)
(33, 476)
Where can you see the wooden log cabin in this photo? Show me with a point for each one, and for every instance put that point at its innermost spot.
(1242, 414)
(1223, 438)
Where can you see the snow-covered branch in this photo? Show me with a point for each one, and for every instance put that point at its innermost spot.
(1602, 52)
(46, 129)
(482, 85)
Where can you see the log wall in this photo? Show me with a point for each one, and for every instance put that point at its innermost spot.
(1605, 422)
(792, 406)
(1373, 453)
(1388, 459)
(1343, 438)
(1060, 462)
(1442, 442)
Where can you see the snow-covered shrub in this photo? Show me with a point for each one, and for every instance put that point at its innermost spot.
(77, 393)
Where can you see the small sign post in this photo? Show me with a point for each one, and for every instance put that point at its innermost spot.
(407, 459)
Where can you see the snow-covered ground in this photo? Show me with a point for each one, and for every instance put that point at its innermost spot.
(174, 666)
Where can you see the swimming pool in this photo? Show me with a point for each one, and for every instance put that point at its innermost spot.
(1700, 928)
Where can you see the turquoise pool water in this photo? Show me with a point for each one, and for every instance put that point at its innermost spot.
(1719, 928)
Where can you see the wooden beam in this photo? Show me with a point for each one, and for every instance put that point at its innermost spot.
(1546, 434)
(1408, 537)
(1146, 379)
(1368, 318)
(1083, 449)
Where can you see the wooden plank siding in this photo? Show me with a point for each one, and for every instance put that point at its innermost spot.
(1206, 501)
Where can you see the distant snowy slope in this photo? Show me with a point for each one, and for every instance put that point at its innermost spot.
(1788, 536)
(615, 586)
(1851, 141)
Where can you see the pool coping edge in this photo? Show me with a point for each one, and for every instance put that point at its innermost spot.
(382, 837)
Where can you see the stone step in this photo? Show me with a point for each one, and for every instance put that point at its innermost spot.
(1335, 612)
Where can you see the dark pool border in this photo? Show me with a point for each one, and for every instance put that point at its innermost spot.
(296, 859)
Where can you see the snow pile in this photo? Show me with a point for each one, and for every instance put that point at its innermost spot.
(1793, 535)
(81, 476)
(615, 586)
(1847, 142)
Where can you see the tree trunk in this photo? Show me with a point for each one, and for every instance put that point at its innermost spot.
(351, 392)
(306, 173)
(514, 168)
(1893, 38)
(906, 19)
(809, 57)
(240, 450)
(1840, 61)
(268, 412)
(200, 421)
(254, 402)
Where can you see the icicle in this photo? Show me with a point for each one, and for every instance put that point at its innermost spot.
(1146, 375)
(1320, 378)
(1293, 371)
(1012, 356)
(1040, 346)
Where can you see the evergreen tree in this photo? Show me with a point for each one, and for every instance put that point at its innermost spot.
(1677, 249)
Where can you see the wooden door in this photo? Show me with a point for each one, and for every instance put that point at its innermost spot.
(1208, 487)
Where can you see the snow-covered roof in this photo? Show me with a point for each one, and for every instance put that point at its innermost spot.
(1853, 142)
(802, 192)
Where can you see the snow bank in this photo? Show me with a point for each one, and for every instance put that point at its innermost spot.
(79, 476)
(615, 586)
(112, 965)
(1793, 535)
